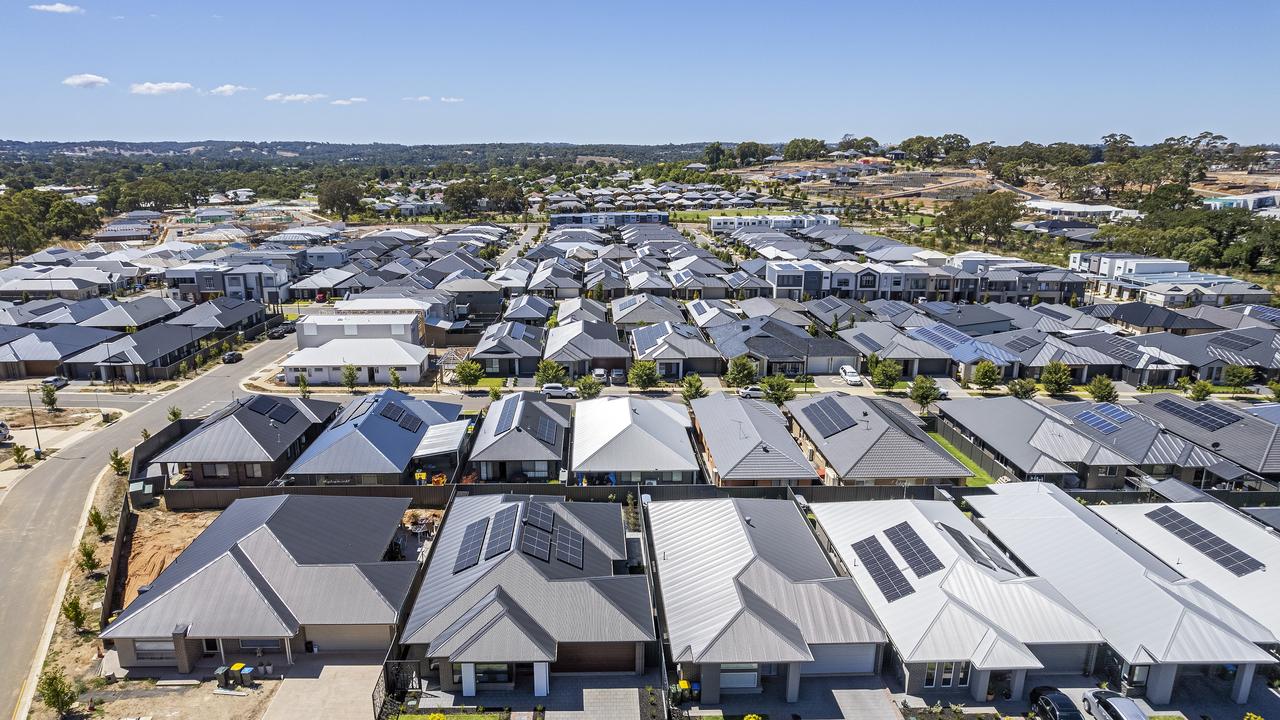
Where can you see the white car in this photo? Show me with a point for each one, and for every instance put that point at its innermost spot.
(559, 390)
(57, 381)
(601, 376)
(849, 375)
(5, 435)
(751, 392)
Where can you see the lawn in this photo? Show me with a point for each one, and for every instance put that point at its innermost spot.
(492, 382)
(980, 477)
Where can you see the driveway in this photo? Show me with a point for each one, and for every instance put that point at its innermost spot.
(821, 698)
(327, 686)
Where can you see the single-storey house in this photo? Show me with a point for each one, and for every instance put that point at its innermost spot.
(746, 442)
(373, 359)
(524, 438)
(632, 440)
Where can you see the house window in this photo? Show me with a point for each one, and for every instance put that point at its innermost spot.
(491, 365)
(962, 674)
(930, 674)
(485, 673)
(488, 470)
(216, 469)
(948, 674)
(154, 649)
(253, 470)
(1109, 471)
(536, 468)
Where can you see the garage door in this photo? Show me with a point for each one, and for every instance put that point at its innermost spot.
(1061, 658)
(840, 660)
(331, 638)
(595, 657)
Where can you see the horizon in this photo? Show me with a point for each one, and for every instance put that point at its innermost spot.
(406, 73)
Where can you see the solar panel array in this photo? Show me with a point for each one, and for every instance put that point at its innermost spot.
(410, 422)
(1235, 560)
(865, 341)
(504, 528)
(569, 546)
(1097, 422)
(1022, 343)
(392, 411)
(1264, 313)
(1207, 416)
(996, 556)
(540, 516)
(507, 416)
(911, 547)
(472, 542)
(1114, 412)
(546, 430)
(262, 404)
(1234, 341)
(1047, 312)
(1123, 350)
(966, 543)
(884, 573)
(896, 307)
(283, 412)
(827, 417)
(943, 336)
(536, 542)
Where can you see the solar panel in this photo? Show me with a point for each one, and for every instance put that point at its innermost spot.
(536, 542)
(569, 546)
(996, 556)
(392, 411)
(1208, 416)
(411, 422)
(1235, 560)
(1263, 312)
(262, 404)
(472, 542)
(1056, 315)
(911, 547)
(865, 340)
(970, 549)
(1114, 412)
(546, 430)
(1022, 343)
(1097, 422)
(507, 416)
(540, 516)
(827, 417)
(283, 412)
(504, 528)
(933, 337)
(517, 331)
(884, 573)
(1234, 341)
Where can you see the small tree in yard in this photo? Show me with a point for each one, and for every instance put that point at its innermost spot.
(1237, 377)
(1056, 378)
(98, 521)
(495, 394)
(887, 374)
(741, 372)
(468, 373)
(118, 464)
(987, 375)
(1102, 390)
(175, 413)
(21, 455)
(394, 377)
(56, 691)
(73, 610)
(1022, 388)
(550, 371)
(1200, 390)
(925, 392)
(644, 375)
(49, 396)
(691, 387)
(304, 387)
(804, 380)
(1274, 387)
(350, 377)
(778, 389)
(589, 387)
(88, 560)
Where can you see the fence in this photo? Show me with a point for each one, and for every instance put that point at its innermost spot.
(118, 568)
(983, 458)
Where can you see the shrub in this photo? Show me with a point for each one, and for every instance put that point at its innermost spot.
(468, 373)
(588, 387)
(88, 560)
(349, 377)
(118, 464)
(925, 392)
(777, 389)
(1022, 388)
(741, 372)
(887, 374)
(56, 691)
(1200, 390)
(21, 455)
(97, 521)
(73, 610)
(550, 371)
(1102, 390)
(986, 375)
(644, 375)
(175, 413)
(691, 387)
(1056, 378)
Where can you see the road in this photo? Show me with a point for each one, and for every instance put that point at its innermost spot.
(42, 514)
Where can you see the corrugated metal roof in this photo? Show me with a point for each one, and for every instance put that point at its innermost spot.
(632, 434)
(748, 440)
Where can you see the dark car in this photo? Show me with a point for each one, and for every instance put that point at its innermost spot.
(1051, 703)
(275, 334)
(232, 357)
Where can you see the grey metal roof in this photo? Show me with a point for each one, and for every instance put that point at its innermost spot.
(774, 340)
(744, 580)
(54, 343)
(584, 340)
(244, 431)
(671, 341)
(136, 313)
(1141, 440)
(748, 440)
(513, 607)
(529, 307)
(521, 441)
(510, 339)
(581, 308)
(268, 566)
(1250, 442)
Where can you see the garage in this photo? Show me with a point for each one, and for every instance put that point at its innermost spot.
(595, 657)
(843, 659)
(334, 638)
(1061, 658)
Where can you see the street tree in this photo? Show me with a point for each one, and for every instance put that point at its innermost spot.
(741, 372)
(49, 397)
(1056, 378)
(643, 375)
(350, 377)
(886, 374)
(468, 373)
(56, 691)
(987, 375)
(692, 388)
(589, 387)
(778, 389)
(1102, 390)
(550, 371)
(174, 413)
(925, 392)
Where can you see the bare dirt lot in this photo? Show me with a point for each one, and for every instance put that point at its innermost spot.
(159, 537)
(20, 417)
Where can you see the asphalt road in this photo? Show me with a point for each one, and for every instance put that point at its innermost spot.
(41, 515)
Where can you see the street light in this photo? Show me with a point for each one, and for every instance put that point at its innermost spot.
(34, 425)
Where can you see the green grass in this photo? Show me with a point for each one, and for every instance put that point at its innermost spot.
(980, 477)
(490, 382)
(918, 219)
(702, 215)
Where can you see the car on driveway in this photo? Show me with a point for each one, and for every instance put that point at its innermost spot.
(600, 375)
(289, 326)
(618, 376)
(1050, 703)
(1111, 705)
(559, 390)
(232, 357)
(751, 392)
(849, 375)
(57, 381)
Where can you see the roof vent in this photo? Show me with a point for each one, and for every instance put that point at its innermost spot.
(747, 520)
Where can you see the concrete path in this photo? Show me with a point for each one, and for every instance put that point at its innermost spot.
(327, 686)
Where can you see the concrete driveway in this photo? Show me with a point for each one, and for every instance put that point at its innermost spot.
(327, 686)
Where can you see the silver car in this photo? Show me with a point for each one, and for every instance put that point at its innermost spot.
(1110, 705)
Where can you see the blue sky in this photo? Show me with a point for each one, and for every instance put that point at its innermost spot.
(642, 72)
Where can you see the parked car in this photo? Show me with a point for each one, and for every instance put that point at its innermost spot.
(57, 381)
(1050, 703)
(751, 392)
(232, 357)
(618, 376)
(601, 375)
(289, 326)
(559, 390)
(5, 435)
(849, 375)
(322, 297)
(1111, 705)
(942, 392)
(275, 334)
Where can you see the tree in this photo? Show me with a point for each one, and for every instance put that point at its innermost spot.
(175, 413)
(1022, 388)
(644, 375)
(468, 372)
(691, 387)
(56, 691)
(804, 149)
(589, 387)
(304, 387)
(987, 375)
(925, 392)
(1274, 387)
(741, 372)
(1056, 378)
(713, 154)
(886, 374)
(88, 560)
(18, 235)
(394, 378)
(1237, 377)
(341, 197)
(49, 397)
(920, 148)
(73, 610)
(550, 371)
(804, 380)
(118, 464)
(1102, 390)
(463, 197)
(350, 377)
(778, 389)
(1200, 390)
(97, 521)
(751, 152)
(495, 394)
(21, 455)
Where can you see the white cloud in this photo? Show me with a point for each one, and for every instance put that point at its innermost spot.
(349, 101)
(295, 97)
(158, 88)
(227, 90)
(86, 80)
(450, 99)
(419, 98)
(59, 8)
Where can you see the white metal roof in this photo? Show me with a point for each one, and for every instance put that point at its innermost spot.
(631, 434)
(375, 352)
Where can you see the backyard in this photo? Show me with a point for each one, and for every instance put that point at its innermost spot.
(980, 477)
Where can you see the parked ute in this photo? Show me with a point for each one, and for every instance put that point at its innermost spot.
(559, 390)
(751, 392)
(849, 375)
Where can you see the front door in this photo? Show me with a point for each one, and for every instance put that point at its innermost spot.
(371, 370)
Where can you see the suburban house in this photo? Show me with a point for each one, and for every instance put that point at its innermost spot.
(584, 345)
(1183, 625)
(632, 311)
(387, 438)
(272, 576)
(777, 347)
(746, 442)
(518, 588)
(887, 342)
(249, 441)
(153, 353)
(958, 613)
(973, 320)
(1140, 317)
(510, 349)
(580, 308)
(1250, 441)
(523, 438)
(677, 349)
(853, 440)
(632, 440)
(1209, 354)
(136, 314)
(43, 352)
(316, 330)
(750, 601)
(224, 315)
(530, 310)
(373, 360)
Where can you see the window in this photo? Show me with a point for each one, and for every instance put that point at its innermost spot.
(209, 646)
(930, 674)
(216, 469)
(485, 673)
(253, 470)
(1137, 675)
(154, 649)
(488, 470)
(1108, 471)
(948, 674)
(260, 644)
(868, 281)
(536, 468)
(962, 674)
